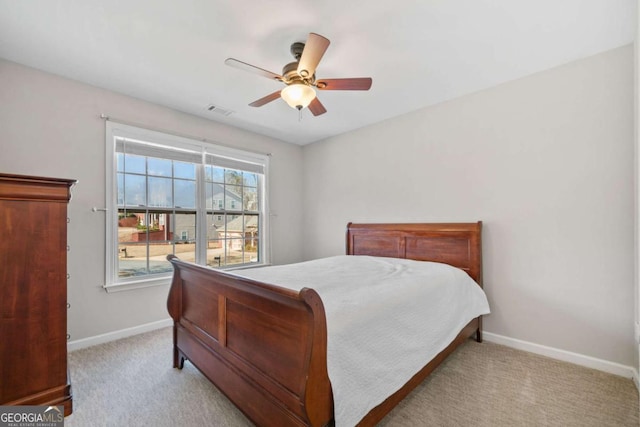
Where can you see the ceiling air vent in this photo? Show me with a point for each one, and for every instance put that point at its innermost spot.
(219, 110)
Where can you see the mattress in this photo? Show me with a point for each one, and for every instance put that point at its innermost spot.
(386, 318)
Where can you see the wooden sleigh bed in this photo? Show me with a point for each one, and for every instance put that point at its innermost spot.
(265, 347)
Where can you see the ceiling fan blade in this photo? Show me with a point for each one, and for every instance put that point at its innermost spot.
(265, 100)
(316, 107)
(356, 83)
(314, 48)
(252, 69)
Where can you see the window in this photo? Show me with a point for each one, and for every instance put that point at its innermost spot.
(172, 195)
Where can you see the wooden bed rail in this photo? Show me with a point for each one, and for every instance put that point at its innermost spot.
(256, 342)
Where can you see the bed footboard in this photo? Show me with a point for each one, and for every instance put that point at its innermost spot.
(263, 346)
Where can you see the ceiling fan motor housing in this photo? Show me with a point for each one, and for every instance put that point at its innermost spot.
(290, 74)
(296, 50)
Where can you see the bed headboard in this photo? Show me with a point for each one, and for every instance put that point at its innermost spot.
(457, 244)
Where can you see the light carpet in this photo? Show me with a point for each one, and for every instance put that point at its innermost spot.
(131, 382)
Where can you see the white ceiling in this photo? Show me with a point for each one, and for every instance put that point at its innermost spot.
(419, 53)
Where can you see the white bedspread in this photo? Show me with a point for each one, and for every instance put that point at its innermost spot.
(386, 318)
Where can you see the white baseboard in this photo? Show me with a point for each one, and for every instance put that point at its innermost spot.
(115, 335)
(565, 356)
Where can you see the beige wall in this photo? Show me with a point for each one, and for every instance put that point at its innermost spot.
(545, 161)
(50, 126)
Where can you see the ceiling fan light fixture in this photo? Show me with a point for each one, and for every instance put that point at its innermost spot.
(298, 95)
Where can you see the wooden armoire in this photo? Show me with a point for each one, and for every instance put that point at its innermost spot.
(33, 291)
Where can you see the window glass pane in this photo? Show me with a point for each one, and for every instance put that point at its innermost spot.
(132, 243)
(251, 235)
(128, 222)
(250, 250)
(143, 243)
(184, 235)
(134, 164)
(233, 226)
(160, 167)
(233, 177)
(215, 174)
(135, 193)
(184, 170)
(132, 259)
(215, 196)
(250, 179)
(157, 223)
(251, 225)
(120, 162)
(158, 258)
(234, 253)
(215, 226)
(250, 199)
(233, 197)
(233, 240)
(215, 240)
(160, 192)
(184, 228)
(185, 193)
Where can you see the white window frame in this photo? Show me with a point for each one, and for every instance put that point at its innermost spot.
(116, 131)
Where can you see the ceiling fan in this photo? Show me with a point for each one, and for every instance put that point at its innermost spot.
(300, 77)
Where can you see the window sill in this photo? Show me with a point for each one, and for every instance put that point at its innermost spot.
(164, 280)
(138, 284)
